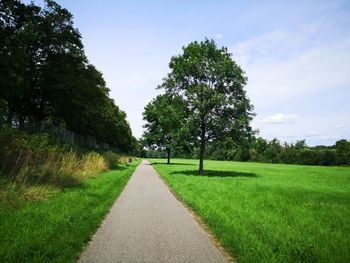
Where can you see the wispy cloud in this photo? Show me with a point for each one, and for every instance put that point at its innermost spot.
(340, 126)
(218, 36)
(279, 67)
(279, 118)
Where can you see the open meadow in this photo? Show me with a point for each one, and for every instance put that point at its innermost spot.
(268, 212)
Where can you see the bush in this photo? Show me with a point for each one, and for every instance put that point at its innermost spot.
(92, 163)
(28, 160)
(111, 158)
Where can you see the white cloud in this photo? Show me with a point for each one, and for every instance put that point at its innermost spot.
(314, 70)
(279, 118)
(281, 64)
(304, 71)
(218, 36)
(340, 126)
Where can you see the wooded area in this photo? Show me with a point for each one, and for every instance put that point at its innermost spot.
(47, 81)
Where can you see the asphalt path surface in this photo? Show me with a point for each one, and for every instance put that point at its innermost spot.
(148, 224)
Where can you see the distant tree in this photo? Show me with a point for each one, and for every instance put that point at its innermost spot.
(329, 157)
(259, 146)
(273, 151)
(212, 86)
(300, 144)
(164, 117)
(343, 151)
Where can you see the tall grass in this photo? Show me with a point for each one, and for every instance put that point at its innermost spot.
(34, 162)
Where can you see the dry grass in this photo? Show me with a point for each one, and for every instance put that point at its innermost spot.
(33, 167)
(92, 163)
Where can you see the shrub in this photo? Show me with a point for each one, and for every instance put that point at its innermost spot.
(92, 163)
(111, 158)
(27, 159)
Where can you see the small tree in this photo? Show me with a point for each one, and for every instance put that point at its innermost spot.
(164, 117)
(211, 85)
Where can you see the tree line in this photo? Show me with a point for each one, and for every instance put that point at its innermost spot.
(274, 151)
(46, 78)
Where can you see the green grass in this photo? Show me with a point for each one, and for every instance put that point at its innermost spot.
(56, 229)
(269, 212)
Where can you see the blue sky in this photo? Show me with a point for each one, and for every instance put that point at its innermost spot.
(296, 55)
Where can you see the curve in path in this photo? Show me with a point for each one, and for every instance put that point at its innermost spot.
(148, 224)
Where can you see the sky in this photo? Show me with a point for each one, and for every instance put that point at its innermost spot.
(296, 55)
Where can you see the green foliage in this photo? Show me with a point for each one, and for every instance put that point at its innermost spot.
(57, 229)
(261, 150)
(343, 152)
(45, 76)
(211, 86)
(32, 166)
(269, 212)
(38, 159)
(111, 158)
(164, 118)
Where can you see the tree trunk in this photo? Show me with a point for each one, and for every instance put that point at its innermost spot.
(9, 117)
(201, 159)
(168, 150)
(21, 122)
(201, 153)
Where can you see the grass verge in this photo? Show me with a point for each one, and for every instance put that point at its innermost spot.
(269, 212)
(56, 229)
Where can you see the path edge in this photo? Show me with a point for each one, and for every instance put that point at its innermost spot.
(212, 238)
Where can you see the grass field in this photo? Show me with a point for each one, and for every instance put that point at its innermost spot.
(269, 212)
(56, 229)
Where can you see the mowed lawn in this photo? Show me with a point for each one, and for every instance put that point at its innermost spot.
(268, 212)
(56, 229)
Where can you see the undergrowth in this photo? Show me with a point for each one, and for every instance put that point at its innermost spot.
(32, 166)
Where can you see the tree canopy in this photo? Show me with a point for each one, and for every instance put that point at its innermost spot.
(164, 118)
(211, 86)
(45, 76)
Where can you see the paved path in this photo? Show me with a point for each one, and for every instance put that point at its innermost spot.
(148, 224)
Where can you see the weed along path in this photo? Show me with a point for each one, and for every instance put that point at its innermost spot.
(148, 224)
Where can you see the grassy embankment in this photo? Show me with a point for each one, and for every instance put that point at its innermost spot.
(53, 196)
(269, 212)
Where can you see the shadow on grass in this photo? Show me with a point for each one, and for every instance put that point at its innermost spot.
(67, 181)
(171, 163)
(118, 167)
(215, 173)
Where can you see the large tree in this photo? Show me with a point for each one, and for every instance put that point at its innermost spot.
(164, 118)
(212, 86)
